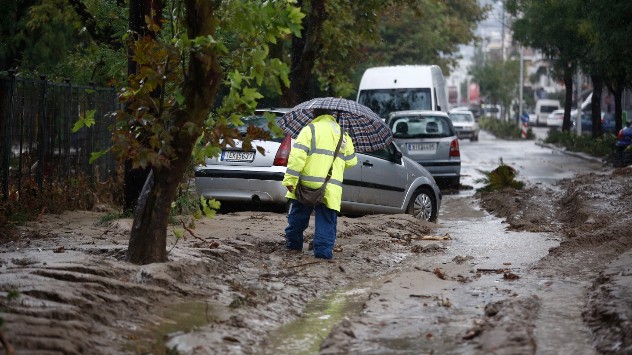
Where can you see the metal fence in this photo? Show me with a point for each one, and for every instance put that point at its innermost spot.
(36, 139)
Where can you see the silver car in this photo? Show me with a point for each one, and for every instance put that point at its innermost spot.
(429, 138)
(465, 124)
(383, 181)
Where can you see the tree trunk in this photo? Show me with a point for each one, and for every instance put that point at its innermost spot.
(595, 104)
(134, 179)
(618, 108)
(200, 86)
(568, 103)
(303, 53)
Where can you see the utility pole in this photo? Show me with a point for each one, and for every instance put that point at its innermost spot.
(521, 81)
(578, 116)
(502, 26)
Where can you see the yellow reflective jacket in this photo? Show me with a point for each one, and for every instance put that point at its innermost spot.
(311, 157)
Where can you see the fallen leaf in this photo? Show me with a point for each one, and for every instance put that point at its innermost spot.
(440, 274)
(510, 276)
(472, 334)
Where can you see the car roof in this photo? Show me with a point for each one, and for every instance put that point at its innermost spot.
(419, 112)
(273, 109)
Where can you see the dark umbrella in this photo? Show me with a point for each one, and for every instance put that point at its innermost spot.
(366, 128)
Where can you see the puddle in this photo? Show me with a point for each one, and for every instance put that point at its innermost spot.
(305, 335)
(560, 318)
(178, 317)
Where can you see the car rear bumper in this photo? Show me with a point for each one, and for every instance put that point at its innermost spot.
(442, 168)
(466, 134)
(240, 185)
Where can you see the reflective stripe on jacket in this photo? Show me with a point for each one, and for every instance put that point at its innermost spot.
(311, 157)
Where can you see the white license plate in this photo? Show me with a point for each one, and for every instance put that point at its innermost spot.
(237, 156)
(422, 148)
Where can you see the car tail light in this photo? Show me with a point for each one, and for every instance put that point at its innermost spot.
(454, 148)
(620, 135)
(280, 159)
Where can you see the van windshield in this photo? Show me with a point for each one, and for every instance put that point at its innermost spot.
(548, 109)
(385, 101)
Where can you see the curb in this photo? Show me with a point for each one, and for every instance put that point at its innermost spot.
(568, 152)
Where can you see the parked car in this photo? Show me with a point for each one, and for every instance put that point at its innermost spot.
(607, 122)
(383, 181)
(555, 119)
(493, 111)
(465, 124)
(623, 147)
(429, 138)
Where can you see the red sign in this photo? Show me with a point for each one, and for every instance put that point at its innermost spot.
(473, 94)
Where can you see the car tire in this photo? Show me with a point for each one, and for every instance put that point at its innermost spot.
(423, 205)
(474, 138)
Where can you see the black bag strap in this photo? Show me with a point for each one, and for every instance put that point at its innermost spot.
(342, 134)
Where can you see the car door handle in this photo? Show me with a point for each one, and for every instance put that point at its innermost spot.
(367, 163)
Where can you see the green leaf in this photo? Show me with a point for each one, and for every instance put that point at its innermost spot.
(96, 155)
(86, 121)
(179, 233)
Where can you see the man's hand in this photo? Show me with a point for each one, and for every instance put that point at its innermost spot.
(290, 188)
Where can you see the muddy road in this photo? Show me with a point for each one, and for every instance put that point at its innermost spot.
(544, 270)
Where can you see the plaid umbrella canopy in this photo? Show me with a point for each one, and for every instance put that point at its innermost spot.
(367, 130)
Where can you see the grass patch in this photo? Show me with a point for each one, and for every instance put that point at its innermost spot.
(601, 147)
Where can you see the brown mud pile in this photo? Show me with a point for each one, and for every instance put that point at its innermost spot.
(65, 287)
(593, 212)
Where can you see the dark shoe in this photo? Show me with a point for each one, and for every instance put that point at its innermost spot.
(323, 257)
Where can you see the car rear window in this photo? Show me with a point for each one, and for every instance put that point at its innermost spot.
(461, 117)
(416, 126)
(258, 120)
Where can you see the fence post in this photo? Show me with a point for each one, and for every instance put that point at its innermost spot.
(39, 174)
(7, 141)
(68, 129)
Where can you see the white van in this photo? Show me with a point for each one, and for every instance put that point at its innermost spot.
(543, 108)
(403, 87)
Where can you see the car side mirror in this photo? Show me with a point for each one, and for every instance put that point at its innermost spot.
(397, 157)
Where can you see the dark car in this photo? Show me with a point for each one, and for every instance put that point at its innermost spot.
(607, 123)
(623, 147)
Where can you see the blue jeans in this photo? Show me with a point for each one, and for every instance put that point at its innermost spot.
(324, 231)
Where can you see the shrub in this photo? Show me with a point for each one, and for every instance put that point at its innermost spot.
(602, 147)
(503, 129)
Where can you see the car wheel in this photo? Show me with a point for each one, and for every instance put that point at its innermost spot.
(423, 205)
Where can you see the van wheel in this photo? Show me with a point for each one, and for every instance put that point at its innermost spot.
(423, 205)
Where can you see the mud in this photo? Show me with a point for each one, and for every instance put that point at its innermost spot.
(65, 287)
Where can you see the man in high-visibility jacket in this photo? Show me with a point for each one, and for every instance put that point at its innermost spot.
(311, 157)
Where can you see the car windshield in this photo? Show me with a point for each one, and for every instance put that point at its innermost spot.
(385, 101)
(461, 117)
(416, 126)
